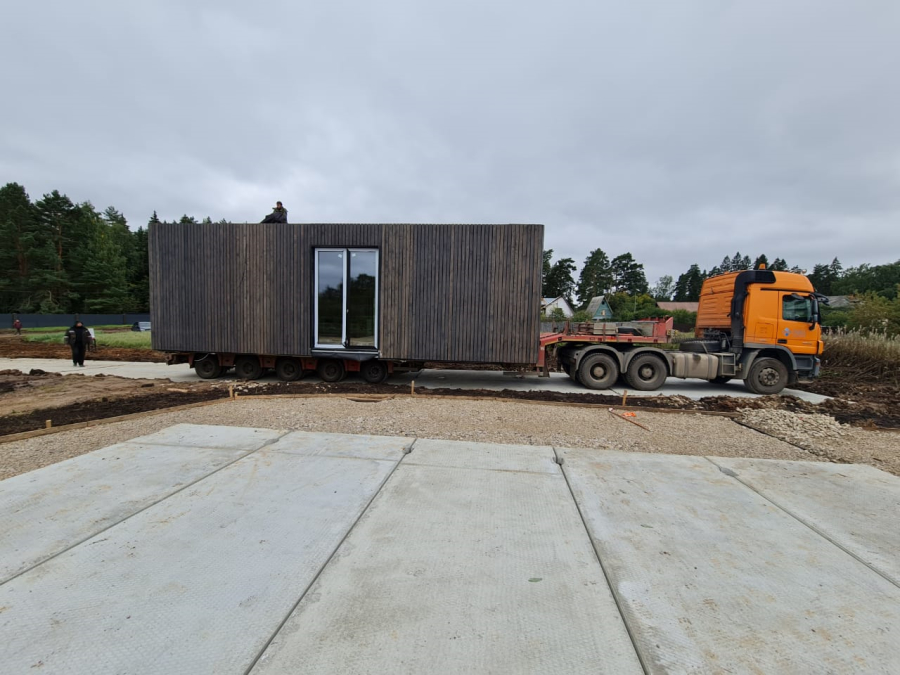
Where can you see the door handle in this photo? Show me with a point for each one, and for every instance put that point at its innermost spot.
(782, 342)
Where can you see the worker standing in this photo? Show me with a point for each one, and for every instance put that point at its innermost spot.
(278, 215)
(78, 337)
(18, 326)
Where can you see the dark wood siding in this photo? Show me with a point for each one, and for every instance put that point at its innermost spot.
(447, 292)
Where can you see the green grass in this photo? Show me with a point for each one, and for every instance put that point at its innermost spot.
(128, 340)
(63, 329)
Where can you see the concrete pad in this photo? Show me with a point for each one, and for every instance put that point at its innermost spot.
(131, 369)
(855, 506)
(195, 584)
(710, 576)
(212, 436)
(52, 509)
(460, 570)
(463, 455)
(343, 445)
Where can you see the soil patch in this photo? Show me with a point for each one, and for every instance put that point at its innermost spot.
(14, 346)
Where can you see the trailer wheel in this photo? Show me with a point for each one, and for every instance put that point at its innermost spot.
(374, 372)
(207, 367)
(247, 367)
(767, 376)
(598, 371)
(722, 379)
(288, 369)
(330, 370)
(646, 372)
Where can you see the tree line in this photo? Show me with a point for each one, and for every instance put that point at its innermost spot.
(602, 275)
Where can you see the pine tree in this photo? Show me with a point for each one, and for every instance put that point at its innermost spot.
(546, 266)
(628, 275)
(596, 277)
(559, 280)
(778, 265)
(687, 288)
(760, 260)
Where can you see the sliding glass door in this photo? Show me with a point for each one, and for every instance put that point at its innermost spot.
(346, 303)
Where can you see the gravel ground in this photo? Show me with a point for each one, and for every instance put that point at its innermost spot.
(485, 421)
(825, 437)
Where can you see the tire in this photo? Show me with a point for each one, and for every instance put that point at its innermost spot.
(598, 371)
(208, 367)
(330, 370)
(701, 346)
(247, 367)
(567, 369)
(288, 369)
(722, 379)
(374, 371)
(646, 372)
(767, 376)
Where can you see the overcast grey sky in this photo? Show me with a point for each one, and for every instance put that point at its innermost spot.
(677, 130)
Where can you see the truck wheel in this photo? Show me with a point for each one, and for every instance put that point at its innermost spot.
(646, 372)
(247, 367)
(330, 370)
(767, 376)
(598, 371)
(374, 372)
(208, 367)
(288, 369)
(722, 379)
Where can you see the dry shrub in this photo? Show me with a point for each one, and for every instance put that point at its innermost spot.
(868, 354)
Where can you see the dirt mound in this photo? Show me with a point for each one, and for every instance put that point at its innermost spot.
(16, 347)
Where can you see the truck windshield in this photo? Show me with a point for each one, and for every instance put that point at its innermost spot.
(796, 308)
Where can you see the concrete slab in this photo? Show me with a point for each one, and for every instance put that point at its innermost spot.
(50, 510)
(447, 379)
(343, 445)
(466, 455)
(710, 576)
(212, 436)
(195, 584)
(855, 506)
(455, 570)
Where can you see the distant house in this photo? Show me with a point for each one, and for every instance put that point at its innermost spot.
(549, 304)
(672, 306)
(598, 309)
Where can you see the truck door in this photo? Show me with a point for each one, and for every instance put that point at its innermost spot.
(794, 331)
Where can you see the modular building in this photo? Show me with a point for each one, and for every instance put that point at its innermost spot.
(349, 293)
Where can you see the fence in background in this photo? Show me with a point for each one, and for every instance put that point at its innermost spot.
(50, 320)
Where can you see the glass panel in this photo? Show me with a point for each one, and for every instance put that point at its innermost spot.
(330, 301)
(796, 309)
(362, 298)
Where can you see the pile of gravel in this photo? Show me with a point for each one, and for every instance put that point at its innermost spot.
(793, 427)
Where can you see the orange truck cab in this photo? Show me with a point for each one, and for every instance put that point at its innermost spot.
(762, 326)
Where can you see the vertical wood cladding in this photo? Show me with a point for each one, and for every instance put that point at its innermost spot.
(467, 293)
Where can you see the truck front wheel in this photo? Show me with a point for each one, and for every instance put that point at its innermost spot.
(767, 376)
(598, 371)
(646, 372)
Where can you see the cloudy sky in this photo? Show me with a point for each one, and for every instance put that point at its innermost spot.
(679, 131)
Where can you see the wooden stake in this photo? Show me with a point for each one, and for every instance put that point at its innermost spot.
(627, 419)
(624, 397)
(48, 424)
(412, 388)
(231, 391)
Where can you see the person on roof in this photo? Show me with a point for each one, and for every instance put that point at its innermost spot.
(278, 215)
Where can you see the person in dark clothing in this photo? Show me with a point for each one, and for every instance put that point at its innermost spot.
(18, 326)
(278, 215)
(78, 338)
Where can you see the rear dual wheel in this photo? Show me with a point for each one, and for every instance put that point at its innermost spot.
(374, 371)
(288, 369)
(646, 372)
(208, 367)
(598, 371)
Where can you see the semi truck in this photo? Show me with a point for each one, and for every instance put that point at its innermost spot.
(376, 299)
